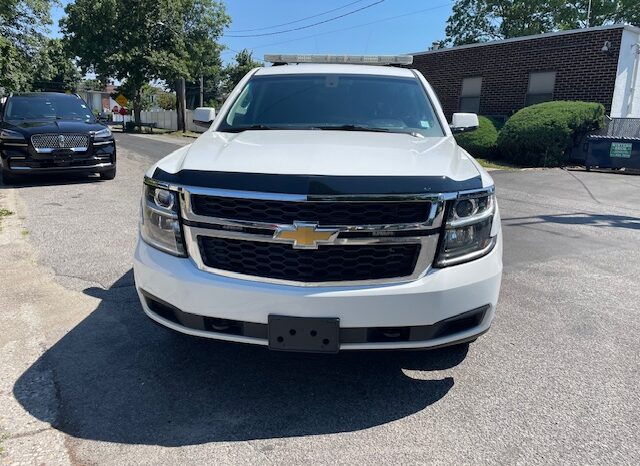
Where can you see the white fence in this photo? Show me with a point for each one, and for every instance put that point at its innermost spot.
(168, 119)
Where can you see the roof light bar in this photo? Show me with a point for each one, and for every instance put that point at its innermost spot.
(345, 59)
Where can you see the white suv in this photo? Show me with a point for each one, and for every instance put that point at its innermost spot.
(328, 207)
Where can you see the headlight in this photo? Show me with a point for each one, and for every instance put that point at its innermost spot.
(467, 233)
(159, 224)
(102, 134)
(9, 135)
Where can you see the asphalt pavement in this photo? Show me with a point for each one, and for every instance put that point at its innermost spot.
(554, 381)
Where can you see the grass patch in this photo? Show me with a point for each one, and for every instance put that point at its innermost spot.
(497, 164)
(5, 212)
(3, 436)
(185, 134)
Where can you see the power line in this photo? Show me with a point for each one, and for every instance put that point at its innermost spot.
(296, 21)
(308, 25)
(236, 52)
(424, 10)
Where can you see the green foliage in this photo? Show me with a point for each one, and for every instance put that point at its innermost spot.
(24, 21)
(481, 142)
(244, 63)
(573, 15)
(14, 67)
(166, 100)
(543, 134)
(137, 42)
(55, 69)
(91, 85)
(474, 21)
(22, 27)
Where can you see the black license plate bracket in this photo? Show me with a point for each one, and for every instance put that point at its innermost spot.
(304, 334)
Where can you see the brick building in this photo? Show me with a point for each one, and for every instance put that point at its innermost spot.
(598, 64)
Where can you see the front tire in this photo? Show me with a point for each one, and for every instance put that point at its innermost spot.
(108, 175)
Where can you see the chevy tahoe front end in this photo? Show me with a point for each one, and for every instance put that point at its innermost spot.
(327, 208)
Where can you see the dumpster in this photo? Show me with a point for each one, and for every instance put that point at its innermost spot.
(618, 147)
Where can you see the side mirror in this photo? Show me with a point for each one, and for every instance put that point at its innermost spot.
(463, 122)
(204, 116)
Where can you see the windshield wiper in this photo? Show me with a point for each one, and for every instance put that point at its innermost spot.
(239, 129)
(372, 129)
(352, 128)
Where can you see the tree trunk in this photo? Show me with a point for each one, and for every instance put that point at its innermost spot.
(137, 104)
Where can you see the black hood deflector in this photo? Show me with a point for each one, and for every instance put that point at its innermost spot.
(317, 184)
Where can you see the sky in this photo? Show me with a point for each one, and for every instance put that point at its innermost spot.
(380, 27)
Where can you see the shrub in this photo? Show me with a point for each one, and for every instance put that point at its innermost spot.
(543, 134)
(130, 126)
(482, 141)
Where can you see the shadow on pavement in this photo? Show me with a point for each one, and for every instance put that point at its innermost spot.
(596, 220)
(50, 179)
(120, 378)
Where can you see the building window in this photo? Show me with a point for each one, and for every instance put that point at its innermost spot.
(541, 85)
(470, 96)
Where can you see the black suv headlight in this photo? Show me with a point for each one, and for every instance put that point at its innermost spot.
(467, 232)
(102, 134)
(159, 223)
(10, 135)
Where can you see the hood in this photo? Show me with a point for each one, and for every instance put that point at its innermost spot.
(333, 153)
(321, 162)
(29, 127)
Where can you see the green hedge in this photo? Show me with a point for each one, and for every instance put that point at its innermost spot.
(543, 134)
(481, 142)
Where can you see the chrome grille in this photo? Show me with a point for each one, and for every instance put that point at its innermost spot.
(395, 243)
(324, 213)
(53, 141)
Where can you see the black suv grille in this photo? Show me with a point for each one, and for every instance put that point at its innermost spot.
(324, 213)
(326, 264)
(59, 141)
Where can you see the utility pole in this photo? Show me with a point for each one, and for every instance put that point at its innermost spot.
(589, 14)
(201, 90)
(181, 104)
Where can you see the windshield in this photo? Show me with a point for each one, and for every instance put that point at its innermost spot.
(335, 101)
(47, 107)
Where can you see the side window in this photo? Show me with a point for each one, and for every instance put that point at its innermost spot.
(541, 86)
(470, 95)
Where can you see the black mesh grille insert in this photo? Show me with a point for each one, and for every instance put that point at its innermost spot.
(325, 213)
(326, 264)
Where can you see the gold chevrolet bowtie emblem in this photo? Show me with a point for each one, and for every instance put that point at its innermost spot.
(305, 235)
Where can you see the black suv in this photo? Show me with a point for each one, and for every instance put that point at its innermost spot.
(49, 132)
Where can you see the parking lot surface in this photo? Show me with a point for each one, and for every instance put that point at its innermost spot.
(88, 379)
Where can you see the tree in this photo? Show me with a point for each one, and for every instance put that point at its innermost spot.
(54, 69)
(91, 85)
(137, 42)
(474, 21)
(574, 14)
(234, 72)
(22, 25)
(166, 100)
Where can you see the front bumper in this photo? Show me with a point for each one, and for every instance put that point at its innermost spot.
(23, 159)
(176, 294)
